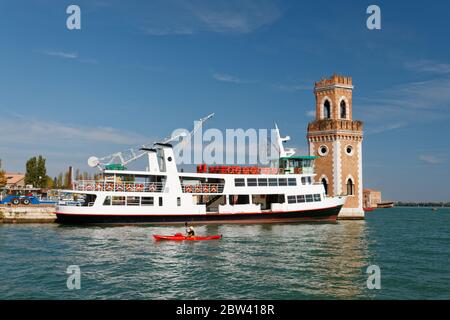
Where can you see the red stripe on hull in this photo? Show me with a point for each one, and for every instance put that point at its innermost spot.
(317, 215)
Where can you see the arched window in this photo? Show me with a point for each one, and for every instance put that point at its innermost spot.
(350, 187)
(327, 110)
(343, 110)
(325, 185)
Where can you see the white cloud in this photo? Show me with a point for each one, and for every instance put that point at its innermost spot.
(235, 16)
(188, 17)
(311, 113)
(431, 159)
(386, 127)
(428, 66)
(61, 144)
(164, 31)
(229, 78)
(61, 54)
(401, 105)
(293, 88)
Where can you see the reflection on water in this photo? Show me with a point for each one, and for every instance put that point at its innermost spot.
(251, 262)
(290, 261)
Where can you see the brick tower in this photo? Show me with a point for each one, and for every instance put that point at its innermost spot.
(337, 140)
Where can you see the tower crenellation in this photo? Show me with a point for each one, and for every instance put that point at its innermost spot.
(337, 140)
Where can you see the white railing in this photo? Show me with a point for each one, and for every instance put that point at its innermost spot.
(203, 188)
(91, 185)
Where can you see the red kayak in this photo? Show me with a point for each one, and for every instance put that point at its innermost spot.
(181, 237)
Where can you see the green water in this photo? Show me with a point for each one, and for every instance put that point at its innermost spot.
(301, 261)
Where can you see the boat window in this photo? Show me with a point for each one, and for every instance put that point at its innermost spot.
(160, 201)
(292, 181)
(147, 201)
(317, 197)
(291, 199)
(282, 182)
(239, 199)
(309, 198)
(262, 182)
(118, 201)
(303, 180)
(178, 201)
(309, 180)
(133, 201)
(251, 182)
(301, 199)
(239, 182)
(107, 201)
(273, 182)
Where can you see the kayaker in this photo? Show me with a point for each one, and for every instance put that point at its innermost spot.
(190, 231)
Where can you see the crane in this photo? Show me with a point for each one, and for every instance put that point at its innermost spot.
(127, 156)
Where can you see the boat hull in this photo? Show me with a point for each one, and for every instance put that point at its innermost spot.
(317, 215)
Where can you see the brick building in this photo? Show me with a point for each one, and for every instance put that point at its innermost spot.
(371, 198)
(337, 139)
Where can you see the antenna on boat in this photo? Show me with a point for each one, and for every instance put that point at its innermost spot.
(120, 159)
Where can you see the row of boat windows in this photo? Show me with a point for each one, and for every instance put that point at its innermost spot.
(271, 182)
(132, 201)
(304, 198)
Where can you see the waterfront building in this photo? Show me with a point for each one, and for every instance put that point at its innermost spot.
(337, 140)
(371, 198)
(15, 180)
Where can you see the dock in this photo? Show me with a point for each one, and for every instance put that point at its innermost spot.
(27, 214)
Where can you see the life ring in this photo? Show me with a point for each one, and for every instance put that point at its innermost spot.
(245, 170)
(88, 187)
(298, 170)
(205, 188)
(130, 188)
(213, 188)
(152, 188)
(188, 189)
(119, 187)
(139, 187)
(98, 186)
(109, 187)
(254, 170)
(198, 189)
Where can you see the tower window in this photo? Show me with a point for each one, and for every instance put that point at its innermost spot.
(350, 187)
(325, 185)
(343, 110)
(323, 150)
(349, 150)
(327, 109)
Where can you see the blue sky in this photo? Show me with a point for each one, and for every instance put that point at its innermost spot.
(139, 69)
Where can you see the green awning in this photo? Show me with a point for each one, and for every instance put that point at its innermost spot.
(299, 158)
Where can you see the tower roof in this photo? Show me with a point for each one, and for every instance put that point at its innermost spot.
(334, 81)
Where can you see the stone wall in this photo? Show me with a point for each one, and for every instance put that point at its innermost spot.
(27, 214)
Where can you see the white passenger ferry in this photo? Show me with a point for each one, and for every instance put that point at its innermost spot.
(214, 194)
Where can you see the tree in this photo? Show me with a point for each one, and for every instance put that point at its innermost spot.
(41, 172)
(36, 172)
(30, 174)
(3, 179)
(60, 181)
